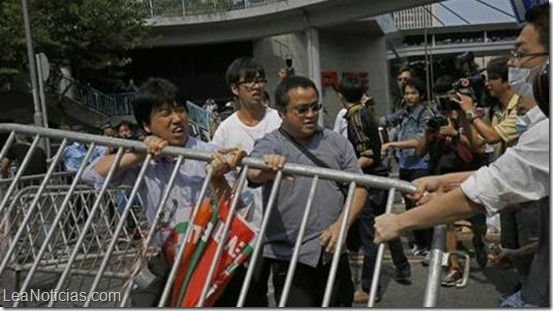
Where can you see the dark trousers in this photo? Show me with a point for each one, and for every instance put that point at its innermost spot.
(423, 237)
(309, 283)
(257, 291)
(519, 228)
(375, 206)
(150, 296)
(257, 294)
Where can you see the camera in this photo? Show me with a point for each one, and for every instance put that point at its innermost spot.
(468, 86)
(436, 122)
(445, 103)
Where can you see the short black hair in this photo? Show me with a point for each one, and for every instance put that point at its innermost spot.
(155, 93)
(443, 84)
(417, 84)
(498, 68)
(538, 16)
(281, 92)
(243, 66)
(124, 122)
(352, 89)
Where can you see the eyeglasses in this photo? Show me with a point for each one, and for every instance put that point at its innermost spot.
(518, 56)
(249, 84)
(304, 108)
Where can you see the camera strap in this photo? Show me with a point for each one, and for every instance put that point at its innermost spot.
(311, 157)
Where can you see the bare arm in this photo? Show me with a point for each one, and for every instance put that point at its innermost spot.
(404, 144)
(445, 208)
(443, 183)
(154, 146)
(274, 161)
(486, 131)
(4, 167)
(329, 237)
(428, 139)
(364, 161)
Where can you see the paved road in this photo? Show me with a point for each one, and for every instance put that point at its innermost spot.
(482, 290)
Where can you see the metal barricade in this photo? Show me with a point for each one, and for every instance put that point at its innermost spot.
(73, 233)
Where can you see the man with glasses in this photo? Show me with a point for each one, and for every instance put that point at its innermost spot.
(300, 140)
(250, 122)
(521, 174)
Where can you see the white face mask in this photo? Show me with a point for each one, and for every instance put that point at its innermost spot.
(518, 81)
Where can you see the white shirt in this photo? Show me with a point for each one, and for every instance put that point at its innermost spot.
(521, 174)
(233, 133)
(341, 124)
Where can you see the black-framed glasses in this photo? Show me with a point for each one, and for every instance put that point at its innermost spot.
(252, 82)
(520, 55)
(304, 108)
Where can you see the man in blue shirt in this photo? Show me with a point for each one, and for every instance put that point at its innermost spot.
(158, 109)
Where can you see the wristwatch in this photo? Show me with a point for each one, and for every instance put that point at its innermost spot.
(471, 116)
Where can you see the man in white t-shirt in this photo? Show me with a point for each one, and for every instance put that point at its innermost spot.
(340, 123)
(246, 80)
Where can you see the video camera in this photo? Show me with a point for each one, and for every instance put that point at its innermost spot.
(473, 83)
(470, 86)
(444, 88)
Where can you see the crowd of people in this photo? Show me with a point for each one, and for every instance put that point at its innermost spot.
(468, 162)
(430, 138)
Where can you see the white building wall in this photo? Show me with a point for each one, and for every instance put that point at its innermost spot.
(346, 52)
(271, 53)
(339, 52)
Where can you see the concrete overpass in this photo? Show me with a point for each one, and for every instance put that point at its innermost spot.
(272, 19)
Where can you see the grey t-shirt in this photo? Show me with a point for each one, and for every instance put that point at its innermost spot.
(285, 220)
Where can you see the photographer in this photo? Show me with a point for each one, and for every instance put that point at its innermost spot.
(502, 132)
(449, 151)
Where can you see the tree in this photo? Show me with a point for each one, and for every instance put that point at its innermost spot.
(92, 37)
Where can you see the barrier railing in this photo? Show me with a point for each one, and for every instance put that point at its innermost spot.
(171, 8)
(94, 99)
(70, 232)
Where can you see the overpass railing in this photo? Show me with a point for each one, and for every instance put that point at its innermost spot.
(172, 8)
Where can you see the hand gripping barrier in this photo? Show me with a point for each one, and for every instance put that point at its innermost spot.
(87, 240)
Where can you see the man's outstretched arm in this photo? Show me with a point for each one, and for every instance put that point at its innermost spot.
(444, 208)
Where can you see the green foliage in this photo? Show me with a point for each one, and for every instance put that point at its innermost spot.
(90, 36)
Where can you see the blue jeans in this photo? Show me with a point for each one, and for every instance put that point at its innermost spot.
(514, 301)
(375, 206)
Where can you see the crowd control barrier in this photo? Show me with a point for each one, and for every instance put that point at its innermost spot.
(85, 240)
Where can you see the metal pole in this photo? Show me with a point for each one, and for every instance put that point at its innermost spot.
(435, 267)
(43, 103)
(151, 5)
(426, 56)
(380, 254)
(314, 61)
(32, 64)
